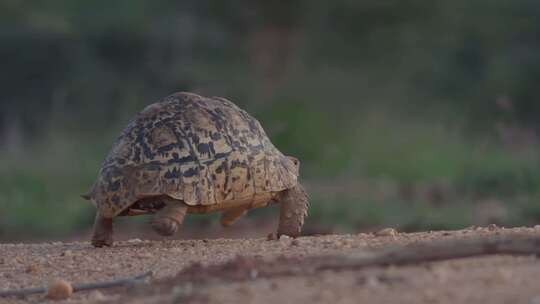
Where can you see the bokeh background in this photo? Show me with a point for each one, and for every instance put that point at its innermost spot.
(412, 114)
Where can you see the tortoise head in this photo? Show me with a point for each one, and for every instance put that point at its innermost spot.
(89, 196)
(296, 163)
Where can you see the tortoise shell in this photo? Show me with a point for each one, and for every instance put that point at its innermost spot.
(205, 151)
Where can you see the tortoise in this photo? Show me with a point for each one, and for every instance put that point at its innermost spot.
(192, 154)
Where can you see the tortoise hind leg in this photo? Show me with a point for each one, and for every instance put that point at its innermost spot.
(169, 218)
(230, 216)
(103, 231)
(294, 205)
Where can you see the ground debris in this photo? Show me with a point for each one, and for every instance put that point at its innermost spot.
(386, 232)
(314, 269)
(32, 268)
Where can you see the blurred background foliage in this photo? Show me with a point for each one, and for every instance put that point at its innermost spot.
(412, 114)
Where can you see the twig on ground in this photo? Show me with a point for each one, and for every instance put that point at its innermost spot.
(439, 250)
(242, 268)
(80, 287)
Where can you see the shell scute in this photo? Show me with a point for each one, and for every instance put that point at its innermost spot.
(201, 150)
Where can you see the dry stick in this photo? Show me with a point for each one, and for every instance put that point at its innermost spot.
(439, 250)
(79, 287)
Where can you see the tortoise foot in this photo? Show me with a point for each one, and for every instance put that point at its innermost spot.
(293, 210)
(102, 243)
(165, 226)
(103, 232)
(169, 218)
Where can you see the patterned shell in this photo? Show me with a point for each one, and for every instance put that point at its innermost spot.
(201, 150)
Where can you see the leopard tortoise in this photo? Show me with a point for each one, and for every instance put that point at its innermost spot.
(193, 154)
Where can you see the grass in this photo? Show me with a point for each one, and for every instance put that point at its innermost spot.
(40, 188)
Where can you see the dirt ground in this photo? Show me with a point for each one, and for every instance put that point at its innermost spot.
(259, 270)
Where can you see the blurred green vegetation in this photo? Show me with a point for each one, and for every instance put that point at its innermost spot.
(413, 114)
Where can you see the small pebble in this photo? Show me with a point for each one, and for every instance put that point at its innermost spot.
(441, 274)
(284, 237)
(181, 292)
(33, 268)
(271, 237)
(492, 227)
(243, 290)
(145, 255)
(59, 290)
(285, 240)
(96, 295)
(115, 266)
(372, 282)
(386, 232)
(67, 253)
(134, 241)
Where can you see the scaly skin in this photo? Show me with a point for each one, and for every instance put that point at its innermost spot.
(229, 217)
(103, 230)
(294, 206)
(167, 220)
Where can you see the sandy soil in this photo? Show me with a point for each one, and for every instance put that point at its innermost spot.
(272, 271)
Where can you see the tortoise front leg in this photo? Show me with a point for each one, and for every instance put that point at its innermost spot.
(294, 205)
(167, 220)
(103, 231)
